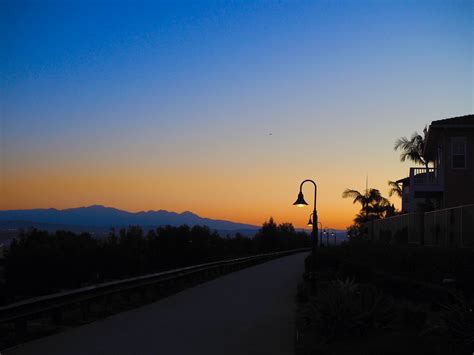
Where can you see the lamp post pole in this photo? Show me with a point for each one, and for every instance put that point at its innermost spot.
(320, 233)
(300, 202)
(310, 224)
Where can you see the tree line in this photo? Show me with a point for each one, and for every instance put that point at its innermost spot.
(39, 262)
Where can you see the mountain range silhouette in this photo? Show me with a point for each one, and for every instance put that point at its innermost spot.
(97, 216)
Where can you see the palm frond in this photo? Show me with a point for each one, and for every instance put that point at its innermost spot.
(349, 193)
(360, 218)
(395, 189)
(401, 143)
(412, 149)
(374, 195)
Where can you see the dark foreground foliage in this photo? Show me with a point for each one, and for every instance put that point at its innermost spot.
(367, 298)
(362, 261)
(39, 262)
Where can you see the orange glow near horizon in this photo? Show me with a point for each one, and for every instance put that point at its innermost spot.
(231, 197)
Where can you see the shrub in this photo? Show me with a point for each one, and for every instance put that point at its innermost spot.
(346, 308)
(456, 323)
(358, 259)
(414, 317)
(355, 271)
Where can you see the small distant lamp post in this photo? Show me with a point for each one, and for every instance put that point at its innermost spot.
(300, 202)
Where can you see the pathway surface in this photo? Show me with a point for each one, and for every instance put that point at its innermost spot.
(247, 312)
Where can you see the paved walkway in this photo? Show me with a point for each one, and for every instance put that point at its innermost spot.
(246, 312)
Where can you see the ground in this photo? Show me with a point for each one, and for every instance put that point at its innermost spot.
(247, 312)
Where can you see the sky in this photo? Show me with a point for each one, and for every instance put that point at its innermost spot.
(222, 108)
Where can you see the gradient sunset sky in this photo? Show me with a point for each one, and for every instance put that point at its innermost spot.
(170, 105)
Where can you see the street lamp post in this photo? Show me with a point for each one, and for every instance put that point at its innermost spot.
(300, 202)
(320, 233)
(310, 224)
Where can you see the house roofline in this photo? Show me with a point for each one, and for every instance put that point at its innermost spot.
(436, 126)
(403, 181)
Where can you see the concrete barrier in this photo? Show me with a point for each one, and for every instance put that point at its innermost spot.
(450, 227)
(406, 228)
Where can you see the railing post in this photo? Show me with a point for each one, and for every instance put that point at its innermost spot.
(20, 328)
(57, 316)
(84, 311)
(143, 293)
(127, 296)
(107, 303)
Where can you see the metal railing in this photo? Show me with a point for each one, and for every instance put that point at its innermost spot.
(151, 286)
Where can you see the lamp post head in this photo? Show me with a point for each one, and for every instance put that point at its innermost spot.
(300, 202)
(310, 222)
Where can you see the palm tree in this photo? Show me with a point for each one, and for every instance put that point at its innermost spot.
(412, 149)
(390, 211)
(395, 189)
(371, 200)
(360, 219)
(381, 209)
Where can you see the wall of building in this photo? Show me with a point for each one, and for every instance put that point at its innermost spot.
(446, 227)
(458, 183)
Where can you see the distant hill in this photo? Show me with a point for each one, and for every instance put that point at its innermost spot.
(99, 219)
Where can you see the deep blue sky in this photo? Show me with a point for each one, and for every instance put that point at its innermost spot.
(153, 92)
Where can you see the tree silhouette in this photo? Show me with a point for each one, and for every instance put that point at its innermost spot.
(373, 205)
(412, 149)
(360, 219)
(395, 189)
(390, 211)
(371, 200)
(38, 262)
(382, 210)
